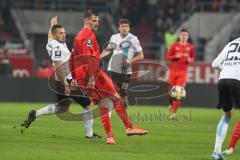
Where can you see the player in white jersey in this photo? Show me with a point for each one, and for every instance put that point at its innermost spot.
(59, 54)
(126, 49)
(229, 90)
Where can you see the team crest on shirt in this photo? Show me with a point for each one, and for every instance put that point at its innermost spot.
(57, 53)
(89, 42)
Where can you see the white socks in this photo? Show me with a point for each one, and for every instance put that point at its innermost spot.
(221, 133)
(88, 122)
(54, 109)
(49, 109)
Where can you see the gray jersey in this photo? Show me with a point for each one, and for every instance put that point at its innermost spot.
(58, 52)
(229, 61)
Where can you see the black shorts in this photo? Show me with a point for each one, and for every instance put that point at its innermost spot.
(229, 94)
(77, 95)
(122, 82)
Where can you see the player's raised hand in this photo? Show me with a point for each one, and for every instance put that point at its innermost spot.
(53, 21)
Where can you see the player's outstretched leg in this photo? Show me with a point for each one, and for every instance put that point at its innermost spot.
(216, 156)
(33, 114)
(31, 117)
(105, 84)
(60, 107)
(228, 151)
(220, 136)
(105, 119)
(175, 106)
(130, 130)
(234, 139)
(86, 103)
(88, 125)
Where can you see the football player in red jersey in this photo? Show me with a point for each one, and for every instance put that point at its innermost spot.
(181, 53)
(85, 68)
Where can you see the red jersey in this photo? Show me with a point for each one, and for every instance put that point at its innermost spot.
(85, 42)
(85, 51)
(85, 62)
(179, 49)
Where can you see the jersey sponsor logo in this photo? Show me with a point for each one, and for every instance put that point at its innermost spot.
(58, 54)
(89, 43)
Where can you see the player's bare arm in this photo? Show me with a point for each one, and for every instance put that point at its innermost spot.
(106, 52)
(52, 23)
(62, 77)
(139, 56)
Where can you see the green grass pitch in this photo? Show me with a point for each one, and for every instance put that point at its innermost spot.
(191, 137)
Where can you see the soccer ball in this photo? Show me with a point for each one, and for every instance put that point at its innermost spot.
(177, 93)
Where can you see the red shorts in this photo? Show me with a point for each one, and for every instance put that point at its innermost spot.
(104, 87)
(177, 78)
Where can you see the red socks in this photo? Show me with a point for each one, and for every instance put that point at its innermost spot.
(175, 106)
(235, 136)
(105, 119)
(121, 111)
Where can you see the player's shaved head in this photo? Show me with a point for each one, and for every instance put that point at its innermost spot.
(90, 13)
(58, 33)
(55, 27)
